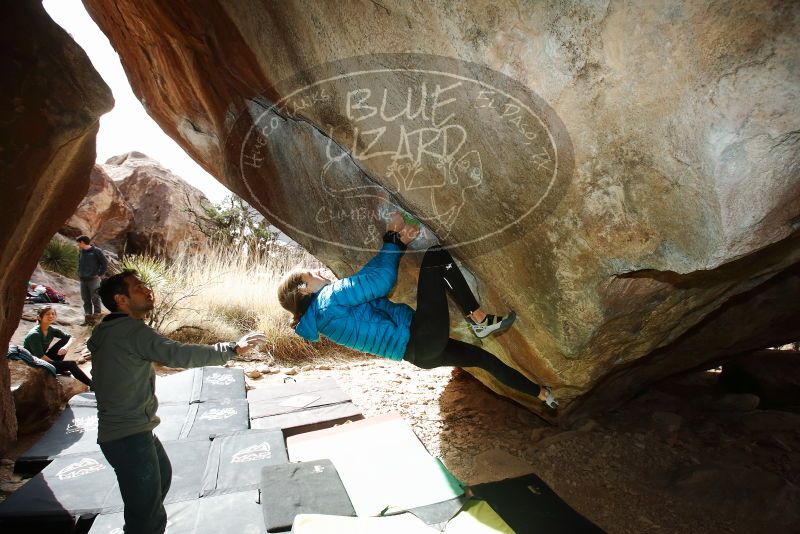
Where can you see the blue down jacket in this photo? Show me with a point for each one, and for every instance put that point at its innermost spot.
(355, 312)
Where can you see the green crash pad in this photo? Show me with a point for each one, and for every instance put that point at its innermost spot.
(477, 517)
(527, 504)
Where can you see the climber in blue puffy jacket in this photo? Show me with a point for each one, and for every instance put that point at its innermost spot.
(356, 313)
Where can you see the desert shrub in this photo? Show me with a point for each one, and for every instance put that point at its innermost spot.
(222, 294)
(60, 256)
(233, 223)
(240, 295)
(167, 282)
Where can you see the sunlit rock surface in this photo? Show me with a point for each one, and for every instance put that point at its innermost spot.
(103, 214)
(161, 223)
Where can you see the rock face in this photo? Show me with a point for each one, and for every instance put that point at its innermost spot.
(624, 177)
(52, 100)
(774, 375)
(158, 200)
(39, 397)
(103, 214)
(136, 205)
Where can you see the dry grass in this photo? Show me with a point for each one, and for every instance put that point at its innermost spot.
(223, 294)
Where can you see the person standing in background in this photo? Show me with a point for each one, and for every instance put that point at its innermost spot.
(92, 264)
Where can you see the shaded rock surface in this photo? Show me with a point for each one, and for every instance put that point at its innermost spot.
(773, 375)
(39, 397)
(660, 187)
(52, 100)
(159, 200)
(103, 214)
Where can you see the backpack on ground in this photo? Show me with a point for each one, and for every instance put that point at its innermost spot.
(53, 295)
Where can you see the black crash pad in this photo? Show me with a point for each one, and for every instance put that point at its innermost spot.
(201, 384)
(301, 488)
(291, 397)
(303, 406)
(207, 419)
(74, 431)
(84, 399)
(181, 519)
(527, 504)
(74, 484)
(310, 419)
(188, 459)
(236, 459)
(233, 512)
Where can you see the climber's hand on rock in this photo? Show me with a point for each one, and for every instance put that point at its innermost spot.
(395, 222)
(409, 233)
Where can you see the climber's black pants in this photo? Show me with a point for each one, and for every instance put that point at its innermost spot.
(430, 344)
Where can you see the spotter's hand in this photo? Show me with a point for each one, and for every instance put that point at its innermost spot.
(249, 341)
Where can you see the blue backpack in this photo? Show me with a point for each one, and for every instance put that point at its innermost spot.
(15, 352)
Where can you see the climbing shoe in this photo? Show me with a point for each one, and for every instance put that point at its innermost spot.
(549, 400)
(493, 324)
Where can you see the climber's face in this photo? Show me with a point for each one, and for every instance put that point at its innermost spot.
(315, 280)
(139, 300)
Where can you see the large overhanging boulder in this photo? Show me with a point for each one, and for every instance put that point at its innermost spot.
(51, 101)
(623, 175)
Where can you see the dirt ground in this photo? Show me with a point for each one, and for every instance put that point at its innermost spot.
(682, 457)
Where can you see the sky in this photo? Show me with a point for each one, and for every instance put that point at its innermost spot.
(127, 127)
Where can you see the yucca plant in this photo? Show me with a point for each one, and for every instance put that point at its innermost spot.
(61, 257)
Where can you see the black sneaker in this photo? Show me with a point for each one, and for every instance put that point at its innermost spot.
(493, 324)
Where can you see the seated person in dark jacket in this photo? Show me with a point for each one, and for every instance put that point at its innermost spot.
(38, 340)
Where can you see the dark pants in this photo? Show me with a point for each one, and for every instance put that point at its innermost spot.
(91, 300)
(61, 366)
(430, 344)
(144, 475)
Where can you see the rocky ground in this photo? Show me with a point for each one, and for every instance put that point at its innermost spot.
(683, 457)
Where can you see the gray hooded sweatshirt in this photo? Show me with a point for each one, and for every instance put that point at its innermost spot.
(123, 351)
